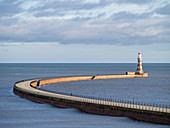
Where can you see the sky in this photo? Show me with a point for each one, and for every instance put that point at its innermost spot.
(84, 31)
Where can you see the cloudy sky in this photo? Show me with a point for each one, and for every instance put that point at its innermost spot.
(84, 31)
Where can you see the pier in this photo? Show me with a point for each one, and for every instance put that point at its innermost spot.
(142, 112)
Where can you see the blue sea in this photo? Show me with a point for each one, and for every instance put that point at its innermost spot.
(17, 112)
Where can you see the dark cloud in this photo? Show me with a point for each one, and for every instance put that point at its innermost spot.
(8, 21)
(134, 1)
(47, 13)
(130, 16)
(62, 7)
(72, 5)
(9, 8)
(164, 10)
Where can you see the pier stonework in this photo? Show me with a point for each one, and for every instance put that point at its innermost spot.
(29, 90)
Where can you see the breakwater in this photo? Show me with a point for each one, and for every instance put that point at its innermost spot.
(28, 89)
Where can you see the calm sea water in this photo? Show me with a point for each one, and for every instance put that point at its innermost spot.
(19, 112)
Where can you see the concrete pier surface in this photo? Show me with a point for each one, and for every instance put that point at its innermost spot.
(28, 89)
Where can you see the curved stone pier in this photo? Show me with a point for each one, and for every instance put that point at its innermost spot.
(28, 89)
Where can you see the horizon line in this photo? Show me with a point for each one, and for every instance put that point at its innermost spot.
(77, 62)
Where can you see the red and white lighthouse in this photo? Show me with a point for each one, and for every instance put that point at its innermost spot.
(139, 68)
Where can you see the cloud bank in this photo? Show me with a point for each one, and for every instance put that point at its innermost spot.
(117, 22)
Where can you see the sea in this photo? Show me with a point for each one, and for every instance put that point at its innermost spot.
(17, 112)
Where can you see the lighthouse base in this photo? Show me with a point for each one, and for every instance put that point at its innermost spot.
(136, 74)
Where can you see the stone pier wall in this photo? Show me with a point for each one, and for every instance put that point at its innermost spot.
(90, 107)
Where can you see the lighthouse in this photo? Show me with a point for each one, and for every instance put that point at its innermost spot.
(139, 72)
(139, 67)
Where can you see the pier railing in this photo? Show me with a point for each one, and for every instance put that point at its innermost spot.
(115, 102)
